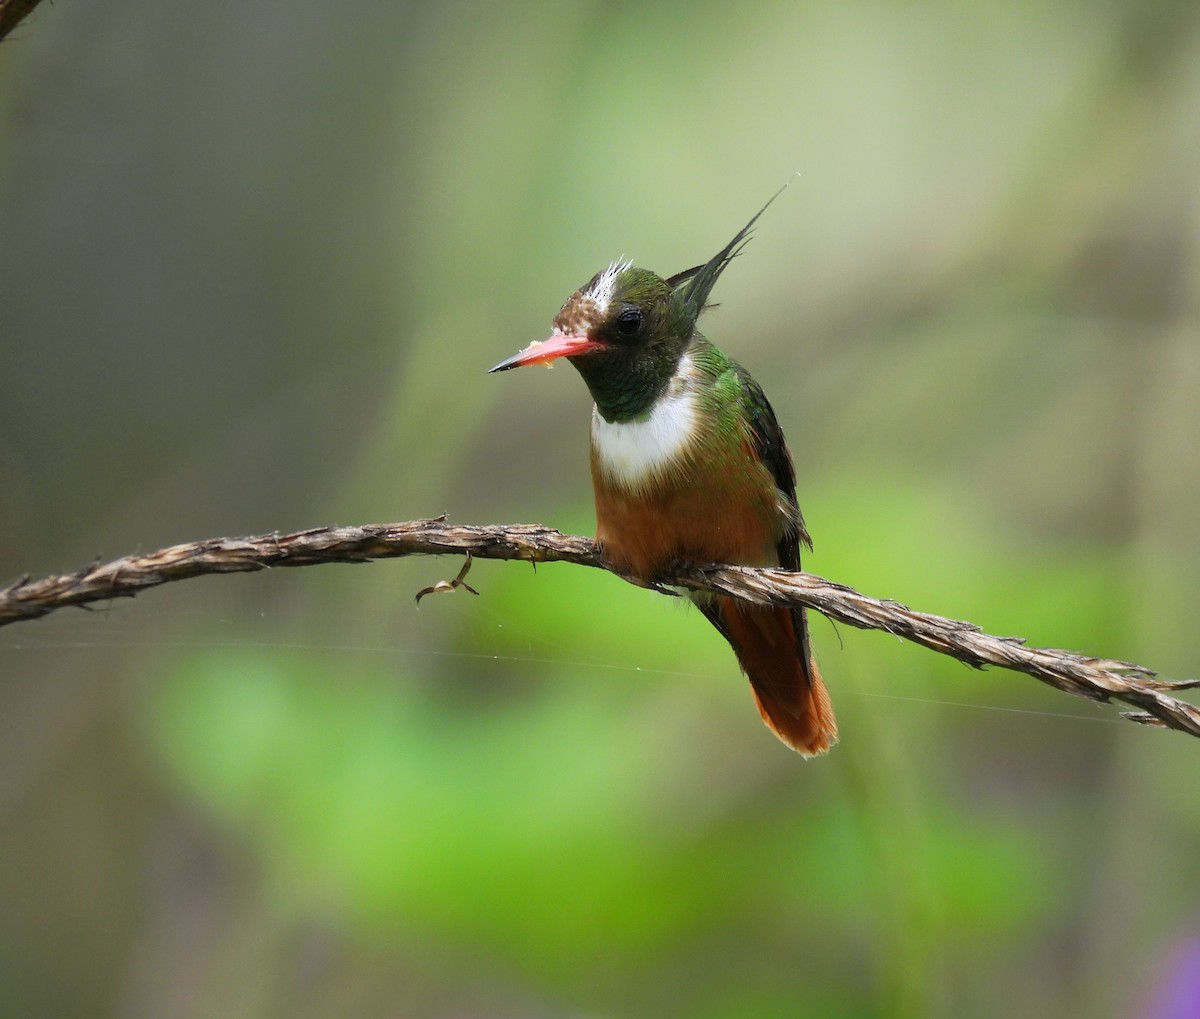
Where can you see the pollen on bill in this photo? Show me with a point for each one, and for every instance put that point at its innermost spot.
(533, 345)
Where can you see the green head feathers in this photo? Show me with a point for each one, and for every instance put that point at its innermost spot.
(627, 329)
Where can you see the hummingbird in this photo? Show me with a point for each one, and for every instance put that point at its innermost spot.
(689, 463)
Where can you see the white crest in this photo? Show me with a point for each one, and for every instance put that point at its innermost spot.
(602, 290)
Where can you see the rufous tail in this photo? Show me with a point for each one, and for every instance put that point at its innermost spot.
(788, 689)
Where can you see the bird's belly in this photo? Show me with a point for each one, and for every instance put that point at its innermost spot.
(642, 533)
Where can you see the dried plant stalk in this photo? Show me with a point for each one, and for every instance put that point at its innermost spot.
(1098, 679)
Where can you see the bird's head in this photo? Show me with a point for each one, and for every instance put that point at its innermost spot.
(626, 329)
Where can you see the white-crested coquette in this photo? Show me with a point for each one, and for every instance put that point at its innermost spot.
(689, 464)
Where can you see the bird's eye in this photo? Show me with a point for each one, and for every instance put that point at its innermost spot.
(629, 322)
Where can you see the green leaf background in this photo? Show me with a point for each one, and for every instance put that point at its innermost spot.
(254, 264)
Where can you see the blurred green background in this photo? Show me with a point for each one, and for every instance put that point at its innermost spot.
(254, 261)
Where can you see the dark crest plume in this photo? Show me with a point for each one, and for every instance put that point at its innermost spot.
(695, 284)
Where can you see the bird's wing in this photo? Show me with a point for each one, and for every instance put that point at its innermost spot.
(771, 448)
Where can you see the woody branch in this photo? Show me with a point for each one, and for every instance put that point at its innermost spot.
(1097, 679)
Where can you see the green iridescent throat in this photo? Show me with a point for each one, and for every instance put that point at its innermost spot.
(626, 384)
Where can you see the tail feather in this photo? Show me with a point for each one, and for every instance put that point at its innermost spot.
(771, 645)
